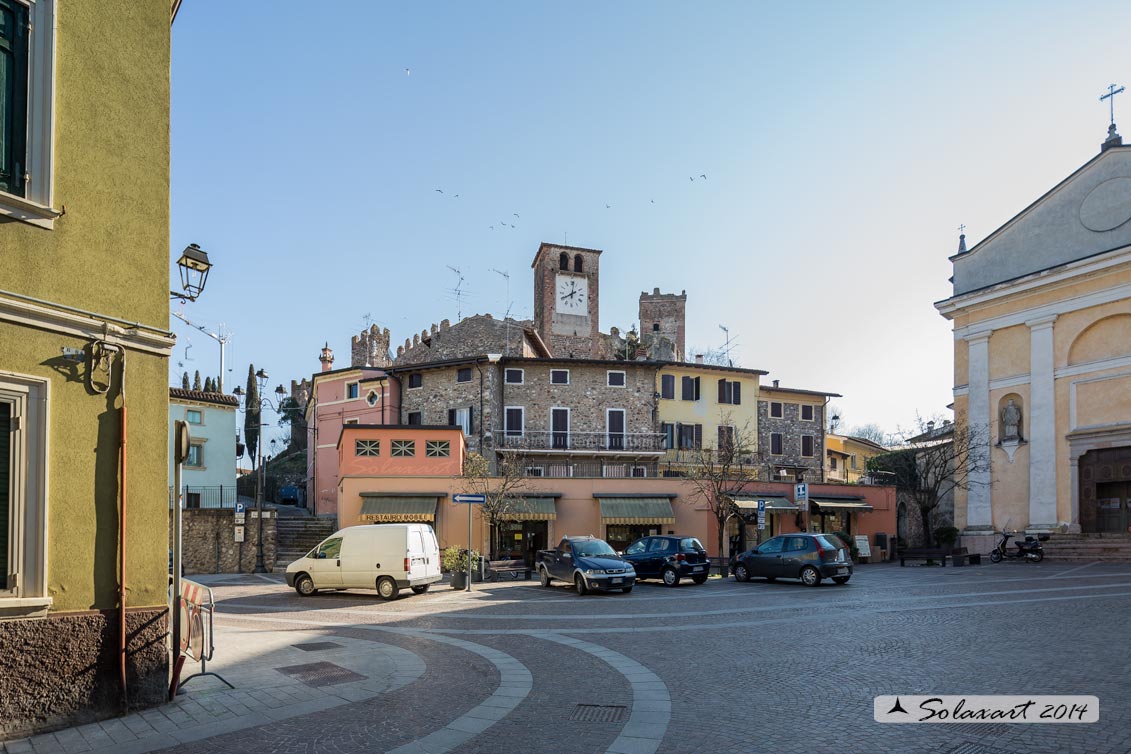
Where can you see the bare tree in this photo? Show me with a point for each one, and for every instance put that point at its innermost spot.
(719, 473)
(871, 432)
(934, 463)
(502, 490)
(716, 356)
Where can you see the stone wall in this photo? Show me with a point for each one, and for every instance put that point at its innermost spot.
(791, 428)
(566, 335)
(664, 315)
(62, 670)
(209, 546)
(440, 392)
(471, 337)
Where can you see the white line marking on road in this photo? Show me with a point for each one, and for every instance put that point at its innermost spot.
(1072, 570)
(651, 702)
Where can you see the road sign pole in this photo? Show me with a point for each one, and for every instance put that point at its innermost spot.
(468, 587)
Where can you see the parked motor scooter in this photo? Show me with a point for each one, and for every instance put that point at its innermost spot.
(1030, 549)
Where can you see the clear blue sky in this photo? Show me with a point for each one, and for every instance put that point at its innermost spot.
(843, 144)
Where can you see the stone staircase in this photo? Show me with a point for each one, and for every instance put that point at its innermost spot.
(297, 535)
(1088, 548)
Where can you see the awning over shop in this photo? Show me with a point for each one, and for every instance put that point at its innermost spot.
(851, 505)
(637, 510)
(773, 504)
(380, 508)
(532, 509)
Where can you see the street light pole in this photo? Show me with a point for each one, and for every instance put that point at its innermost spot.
(260, 481)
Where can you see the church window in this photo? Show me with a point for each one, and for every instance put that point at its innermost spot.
(563, 261)
(578, 265)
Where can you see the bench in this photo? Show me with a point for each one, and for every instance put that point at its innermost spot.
(923, 553)
(496, 568)
(960, 557)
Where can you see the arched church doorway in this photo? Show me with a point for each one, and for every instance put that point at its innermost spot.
(1105, 490)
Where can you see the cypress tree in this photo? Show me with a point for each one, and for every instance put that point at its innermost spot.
(196, 381)
(251, 418)
(185, 382)
(208, 388)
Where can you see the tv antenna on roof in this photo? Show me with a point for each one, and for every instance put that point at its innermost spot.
(506, 315)
(727, 345)
(458, 291)
(221, 336)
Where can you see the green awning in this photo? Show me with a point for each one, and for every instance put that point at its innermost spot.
(851, 505)
(773, 504)
(533, 509)
(393, 509)
(637, 510)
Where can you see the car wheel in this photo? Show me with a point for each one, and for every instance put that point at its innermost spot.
(627, 589)
(841, 579)
(421, 589)
(387, 588)
(670, 577)
(699, 579)
(740, 573)
(304, 585)
(579, 582)
(810, 576)
(543, 577)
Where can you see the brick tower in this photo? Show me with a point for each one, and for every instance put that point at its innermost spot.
(566, 300)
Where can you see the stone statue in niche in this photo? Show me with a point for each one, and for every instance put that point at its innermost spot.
(1011, 421)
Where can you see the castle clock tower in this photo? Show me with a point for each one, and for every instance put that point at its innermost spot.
(566, 300)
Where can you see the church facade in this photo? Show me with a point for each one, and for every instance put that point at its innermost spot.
(1042, 360)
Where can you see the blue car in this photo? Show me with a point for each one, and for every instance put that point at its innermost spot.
(669, 558)
(588, 563)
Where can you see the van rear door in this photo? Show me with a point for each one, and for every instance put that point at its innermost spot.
(432, 549)
(417, 555)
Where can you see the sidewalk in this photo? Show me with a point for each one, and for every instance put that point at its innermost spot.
(276, 675)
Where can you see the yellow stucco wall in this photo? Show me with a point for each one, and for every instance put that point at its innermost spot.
(707, 410)
(108, 254)
(1009, 352)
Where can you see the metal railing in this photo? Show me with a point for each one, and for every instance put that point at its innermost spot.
(627, 442)
(206, 497)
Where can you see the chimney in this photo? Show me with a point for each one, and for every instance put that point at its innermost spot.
(776, 382)
(698, 358)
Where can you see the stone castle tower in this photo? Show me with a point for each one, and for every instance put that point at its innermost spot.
(370, 348)
(664, 315)
(567, 300)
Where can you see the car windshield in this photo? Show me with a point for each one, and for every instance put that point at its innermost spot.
(592, 548)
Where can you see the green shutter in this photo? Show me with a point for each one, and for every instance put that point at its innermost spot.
(5, 476)
(13, 95)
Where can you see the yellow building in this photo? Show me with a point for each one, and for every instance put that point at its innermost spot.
(703, 406)
(1042, 358)
(84, 335)
(846, 458)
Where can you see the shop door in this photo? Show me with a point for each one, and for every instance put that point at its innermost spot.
(1112, 514)
(534, 536)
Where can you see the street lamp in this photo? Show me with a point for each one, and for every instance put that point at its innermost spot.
(281, 394)
(194, 266)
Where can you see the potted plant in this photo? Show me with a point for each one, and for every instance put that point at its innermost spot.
(946, 536)
(455, 560)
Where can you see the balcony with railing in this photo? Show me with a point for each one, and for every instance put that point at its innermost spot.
(206, 497)
(628, 443)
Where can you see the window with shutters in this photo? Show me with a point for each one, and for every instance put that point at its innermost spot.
(806, 413)
(807, 445)
(403, 448)
(23, 504)
(690, 436)
(668, 431)
(351, 390)
(26, 102)
(559, 376)
(437, 448)
(832, 463)
(776, 444)
(462, 418)
(195, 457)
(726, 440)
(730, 392)
(415, 418)
(513, 418)
(463, 375)
(775, 410)
(690, 389)
(616, 379)
(667, 386)
(513, 376)
(367, 448)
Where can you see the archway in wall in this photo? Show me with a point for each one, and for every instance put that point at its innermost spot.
(1105, 490)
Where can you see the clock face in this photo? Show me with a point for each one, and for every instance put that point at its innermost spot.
(572, 295)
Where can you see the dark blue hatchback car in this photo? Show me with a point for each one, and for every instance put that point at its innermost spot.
(669, 558)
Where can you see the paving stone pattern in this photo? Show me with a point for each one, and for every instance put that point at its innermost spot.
(722, 667)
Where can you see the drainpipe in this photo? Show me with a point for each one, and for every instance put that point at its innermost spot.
(122, 646)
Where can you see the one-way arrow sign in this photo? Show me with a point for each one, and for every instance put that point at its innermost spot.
(469, 499)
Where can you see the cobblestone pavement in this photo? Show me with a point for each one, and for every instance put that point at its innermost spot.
(723, 667)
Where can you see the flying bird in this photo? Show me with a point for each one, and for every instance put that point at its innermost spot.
(492, 227)
(456, 196)
(608, 206)
(515, 214)
(438, 191)
(512, 226)
(703, 176)
(652, 200)
(690, 178)
(407, 71)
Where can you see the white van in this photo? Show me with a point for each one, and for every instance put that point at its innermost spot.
(385, 557)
